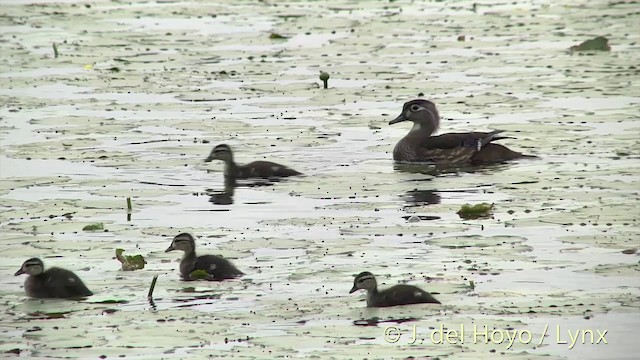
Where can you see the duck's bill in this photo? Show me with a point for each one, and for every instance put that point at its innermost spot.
(19, 272)
(400, 118)
(170, 248)
(353, 289)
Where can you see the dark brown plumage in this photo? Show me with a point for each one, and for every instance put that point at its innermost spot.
(393, 296)
(53, 283)
(217, 267)
(472, 148)
(256, 169)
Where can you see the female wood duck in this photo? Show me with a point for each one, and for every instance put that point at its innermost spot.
(396, 295)
(256, 169)
(472, 148)
(217, 267)
(53, 283)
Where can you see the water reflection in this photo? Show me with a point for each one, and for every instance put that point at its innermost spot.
(225, 196)
(436, 170)
(421, 197)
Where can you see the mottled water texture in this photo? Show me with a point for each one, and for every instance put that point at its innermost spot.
(141, 91)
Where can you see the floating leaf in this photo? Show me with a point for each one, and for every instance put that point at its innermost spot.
(130, 263)
(599, 43)
(477, 211)
(277, 36)
(199, 275)
(94, 227)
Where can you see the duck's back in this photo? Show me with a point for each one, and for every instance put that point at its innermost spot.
(264, 169)
(56, 283)
(401, 295)
(217, 267)
(454, 148)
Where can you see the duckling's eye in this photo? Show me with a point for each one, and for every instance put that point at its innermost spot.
(415, 108)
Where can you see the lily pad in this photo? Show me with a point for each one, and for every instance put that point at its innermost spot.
(199, 275)
(477, 211)
(94, 227)
(130, 263)
(599, 43)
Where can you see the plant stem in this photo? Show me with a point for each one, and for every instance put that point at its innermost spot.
(153, 286)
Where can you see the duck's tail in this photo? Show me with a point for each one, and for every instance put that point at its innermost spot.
(493, 153)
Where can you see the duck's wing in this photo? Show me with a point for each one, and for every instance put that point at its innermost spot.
(457, 147)
(472, 140)
(406, 295)
(267, 169)
(66, 284)
(218, 267)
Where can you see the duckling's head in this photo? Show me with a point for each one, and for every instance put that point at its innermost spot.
(422, 113)
(32, 266)
(364, 280)
(184, 242)
(220, 152)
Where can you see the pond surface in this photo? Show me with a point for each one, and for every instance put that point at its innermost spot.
(141, 91)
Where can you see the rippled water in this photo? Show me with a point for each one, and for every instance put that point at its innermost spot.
(142, 91)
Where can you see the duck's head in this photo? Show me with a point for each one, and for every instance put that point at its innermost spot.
(422, 113)
(364, 280)
(32, 266)
(184, 242)
(220, 152)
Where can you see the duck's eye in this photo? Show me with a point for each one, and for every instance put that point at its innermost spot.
(415, 108)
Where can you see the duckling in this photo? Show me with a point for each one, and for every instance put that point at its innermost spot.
(53, 283)
(396, 295)
(218, 267)
(256, 169)
(472, 148)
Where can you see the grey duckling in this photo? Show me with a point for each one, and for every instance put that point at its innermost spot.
(472, 148)
(55, 283)
(217, 267)
(395, 295)
(256, 169)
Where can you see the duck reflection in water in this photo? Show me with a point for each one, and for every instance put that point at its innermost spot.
(421, 197)
(225, 196)
(440, 169)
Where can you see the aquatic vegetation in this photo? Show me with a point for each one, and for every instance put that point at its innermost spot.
(94, 227)
(477, 211)
(130, 262)
(599, 43)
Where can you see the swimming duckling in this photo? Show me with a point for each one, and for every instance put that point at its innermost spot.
(217, 267)
(473, 148)
(53, 283)
(395, 295)
(256, 169)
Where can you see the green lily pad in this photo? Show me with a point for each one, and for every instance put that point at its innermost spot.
(478, 211)
(599, 43)
(199, 275)
(277, 36)
(94, 227)
(130, 263)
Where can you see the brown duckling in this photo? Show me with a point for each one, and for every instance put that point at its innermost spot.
(472, 148)
(256, 169)
(217, 267)
(53, 283)
(395, 295)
